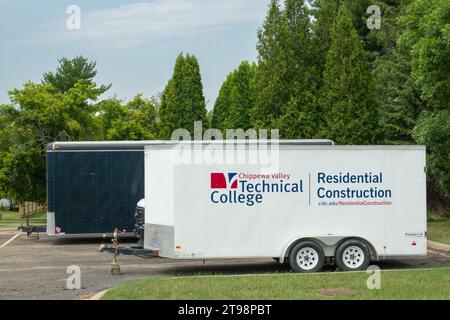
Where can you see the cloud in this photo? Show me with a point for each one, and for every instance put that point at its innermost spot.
(128, 25)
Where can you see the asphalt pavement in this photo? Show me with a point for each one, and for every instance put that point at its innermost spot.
(37, 269)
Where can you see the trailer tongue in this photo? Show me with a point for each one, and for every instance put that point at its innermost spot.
(116, 250)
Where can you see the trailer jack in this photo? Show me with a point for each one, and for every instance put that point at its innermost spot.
(115, 267)
(116, 250)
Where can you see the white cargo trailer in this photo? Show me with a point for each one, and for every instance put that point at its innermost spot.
(353, 204)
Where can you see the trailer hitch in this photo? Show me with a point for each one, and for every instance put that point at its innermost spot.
(33, 229)
(116, 250)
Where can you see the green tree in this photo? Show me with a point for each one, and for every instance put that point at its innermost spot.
(222, 105)
(324, 12)
(209, 119)
(232, 107)
(383, 41)
(39, 115)
(396, 92)
(135, 120)
(269, 86)
(182, 102)
(426, 35)
(128, 130)
(350, 109)
(109, 111)
(433, 130)
(286, 77)
(70, 71)
(397, 96)
(145, 112)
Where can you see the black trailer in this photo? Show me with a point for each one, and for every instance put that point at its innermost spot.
(93, 187)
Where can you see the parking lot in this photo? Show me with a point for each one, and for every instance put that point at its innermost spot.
(36, 269)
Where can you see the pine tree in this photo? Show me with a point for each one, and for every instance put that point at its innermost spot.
(72, 71)
(350, 108)
(182, 102)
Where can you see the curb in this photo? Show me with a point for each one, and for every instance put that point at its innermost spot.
(439, 247)
(98, 295)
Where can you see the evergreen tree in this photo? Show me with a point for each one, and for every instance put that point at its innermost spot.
(286, 77)
(350, 108)
(70, 72)
(182, 102)
(270, 88)
(426, 37)
(383, 41)
(396, 93)
(222, 104)
(397, 96)
(209, 118)
(324, 14)
(232, 107)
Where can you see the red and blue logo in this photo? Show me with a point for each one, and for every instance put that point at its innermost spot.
(224, 181)
(239, 188)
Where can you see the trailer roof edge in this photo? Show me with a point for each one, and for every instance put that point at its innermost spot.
(159, 144)
(140, 145)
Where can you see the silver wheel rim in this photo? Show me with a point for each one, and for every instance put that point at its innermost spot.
(353, 257)
(307, 258)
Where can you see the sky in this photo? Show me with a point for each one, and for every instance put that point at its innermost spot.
(135, 43)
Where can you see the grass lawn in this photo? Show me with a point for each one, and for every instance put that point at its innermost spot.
(399, 284)
(439, 230)
(11, 219)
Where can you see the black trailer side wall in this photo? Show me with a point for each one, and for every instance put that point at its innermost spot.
(94, 192)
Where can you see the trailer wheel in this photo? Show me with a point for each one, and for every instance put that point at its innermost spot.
(352, 255)
(306, 256)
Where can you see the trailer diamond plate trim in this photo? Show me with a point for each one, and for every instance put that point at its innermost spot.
(161, 237)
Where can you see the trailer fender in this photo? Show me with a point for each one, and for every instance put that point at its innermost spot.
(324, 242)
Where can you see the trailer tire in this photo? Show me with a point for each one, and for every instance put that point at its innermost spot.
(306, 257)
(352, 255)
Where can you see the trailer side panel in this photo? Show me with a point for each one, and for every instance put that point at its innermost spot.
(93, 192)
